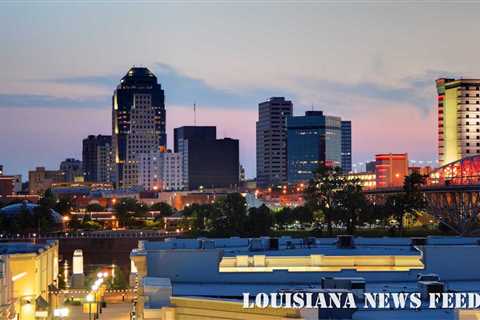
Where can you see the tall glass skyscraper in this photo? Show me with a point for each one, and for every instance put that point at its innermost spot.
(311, 140)
(139, 86)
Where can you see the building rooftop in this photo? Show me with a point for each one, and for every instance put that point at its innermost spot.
(24, 247)
(19, 208)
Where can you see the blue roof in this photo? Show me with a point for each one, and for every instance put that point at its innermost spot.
(18, 208)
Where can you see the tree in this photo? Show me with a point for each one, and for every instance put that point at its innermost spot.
(321, 190)
(165, 209)
(259, 221)
(199, 214)
(42, 214)
(351, 207)
(284, 217)
(409, 202)
(233, 210)
(126, 210)
(49, 200)
(302, 214)
(63, 205)
(95, 207)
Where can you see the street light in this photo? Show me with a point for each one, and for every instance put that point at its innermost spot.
(89, 299)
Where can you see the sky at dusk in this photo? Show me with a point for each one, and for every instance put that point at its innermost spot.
(373, 62)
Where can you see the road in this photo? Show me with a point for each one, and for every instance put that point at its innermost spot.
(119, 311)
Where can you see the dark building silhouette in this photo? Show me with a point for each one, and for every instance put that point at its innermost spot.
(97, 158)
(137, 82)
(208, 162)
(346, 146)
(192, 133)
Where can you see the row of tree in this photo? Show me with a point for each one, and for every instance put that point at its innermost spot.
(332, 201)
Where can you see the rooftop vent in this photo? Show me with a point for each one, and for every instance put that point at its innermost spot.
(418, 241)
(345, 242)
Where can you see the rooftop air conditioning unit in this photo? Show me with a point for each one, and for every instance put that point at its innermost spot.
(428, 277)
(256, 245)
(345, 242)
(207, 244)
(419, 241)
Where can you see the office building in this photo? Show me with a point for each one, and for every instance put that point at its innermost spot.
(197, 133)
(138, 118)
(72, 170)
(142, 138)
(97, 158)
(41, 179)
(10, 185)
(391, 169)
(346, 146)
(313, 139)
(458, 119)
(207, 162)
(271, 136)
(161, 171)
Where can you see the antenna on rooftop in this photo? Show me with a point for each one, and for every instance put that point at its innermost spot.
(194, 114)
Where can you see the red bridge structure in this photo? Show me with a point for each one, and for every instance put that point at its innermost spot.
(452, 193)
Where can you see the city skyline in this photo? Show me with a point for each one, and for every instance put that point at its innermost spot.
(56, 82)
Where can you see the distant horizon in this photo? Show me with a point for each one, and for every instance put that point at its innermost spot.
(372, 63)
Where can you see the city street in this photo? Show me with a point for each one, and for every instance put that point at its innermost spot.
(120, 311)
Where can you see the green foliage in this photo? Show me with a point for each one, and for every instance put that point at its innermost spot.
(127, 209)
(165, 209)
(233, 209)
(259, 221)
(408, 203)
(49, 200)
(63, 205)
(336, 199)
(95, 207)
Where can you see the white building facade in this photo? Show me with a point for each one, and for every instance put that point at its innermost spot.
(142, 138)
(161, 171)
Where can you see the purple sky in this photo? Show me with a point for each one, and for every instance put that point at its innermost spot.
(372, 63)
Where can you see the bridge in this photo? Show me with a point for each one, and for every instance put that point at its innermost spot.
(452, 193)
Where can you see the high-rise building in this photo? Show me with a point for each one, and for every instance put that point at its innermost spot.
(391, 169)
(458, 119)
(72, 170)
(271, 135)
(346, 146)
(161, 171)
(200, 133)
(138, 90)
(142, 138)
(312, 139)
(97, 158)
(207, 162)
